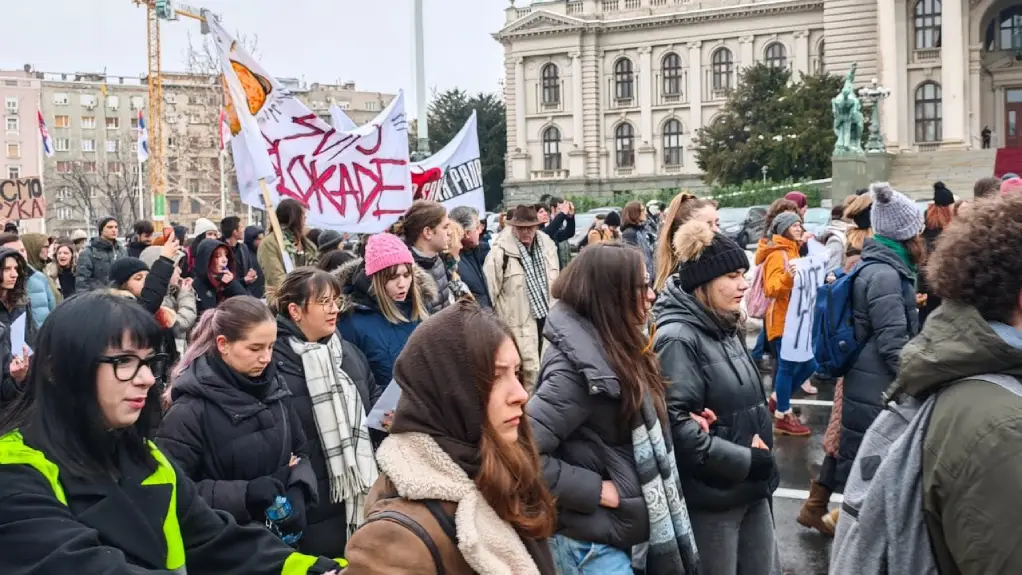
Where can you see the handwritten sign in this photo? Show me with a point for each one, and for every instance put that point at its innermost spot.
(22, 199)
(810, 273)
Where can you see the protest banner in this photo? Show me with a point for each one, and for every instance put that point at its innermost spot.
(22, 199)
(810, 273)
(354, 181)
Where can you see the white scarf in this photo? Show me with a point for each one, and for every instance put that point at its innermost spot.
(340, 421)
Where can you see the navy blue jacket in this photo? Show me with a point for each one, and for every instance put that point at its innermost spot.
(470, 268)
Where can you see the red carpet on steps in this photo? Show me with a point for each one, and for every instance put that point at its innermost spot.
(1008, 160)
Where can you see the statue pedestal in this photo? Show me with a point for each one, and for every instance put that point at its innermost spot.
(849, 172)
(878, 166)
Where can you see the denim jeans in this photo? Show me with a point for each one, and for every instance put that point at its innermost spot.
(789, 374)
(760, 349)
(574, 557)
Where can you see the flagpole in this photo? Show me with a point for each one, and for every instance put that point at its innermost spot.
(223, 183)
(42, 150)
(141, 204)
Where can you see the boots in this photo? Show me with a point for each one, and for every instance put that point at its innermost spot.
(814, 510)
(788, 424)
(830, 520)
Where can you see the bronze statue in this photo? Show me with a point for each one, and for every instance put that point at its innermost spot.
(848, 120)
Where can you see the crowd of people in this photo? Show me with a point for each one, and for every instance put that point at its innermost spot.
(221, 401)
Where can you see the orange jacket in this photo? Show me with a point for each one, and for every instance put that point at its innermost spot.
(777, 282)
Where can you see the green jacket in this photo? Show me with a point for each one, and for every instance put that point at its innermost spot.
(972, 459)
(272, 262)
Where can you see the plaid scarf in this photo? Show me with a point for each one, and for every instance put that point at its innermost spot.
(672, 546)
(535, 278)
(291, 245)
(340, 421)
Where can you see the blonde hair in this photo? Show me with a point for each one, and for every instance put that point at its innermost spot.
(388, 307)
(457, 234)
(680, 210)
(854, 206)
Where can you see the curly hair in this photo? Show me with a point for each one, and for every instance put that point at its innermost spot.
(977, 261)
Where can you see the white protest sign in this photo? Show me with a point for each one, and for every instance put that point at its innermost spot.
(355, 181)
(453, 176)
(797, 343)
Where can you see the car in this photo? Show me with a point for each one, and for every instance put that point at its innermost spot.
(744, 225)
(582, 224)
(603, 211)
(815, 221)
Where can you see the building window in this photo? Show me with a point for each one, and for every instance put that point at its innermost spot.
(673, 150)
(927, 24)
(624, 80)
(114, 167)
(89, 167)
(112, 146)
(1005, 31)
(776, 55)
(65, 214)
(88, 122)
(13, 125)
(134, 123)
(113, 123)
(88, 145)
(551, 85)
(63, 167)
(60, 99)
(928, 113)
(551, 148)
(624, 144)
(62, 121)
(722, 64)
(87, 101)
(137, 102)
(195, 206)
(13, 149)
(175, 206)
(193, 187)
(671, 70)
(372, 106)
(14, 172)
(113, 102)
(61, 144)
(11, 103)
(819, 57)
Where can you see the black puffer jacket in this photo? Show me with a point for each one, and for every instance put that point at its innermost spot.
(437, 269)
(223, 436)
(327, 526)
(206, 295)
(93, 268)
(707, 366)
(575, 416)
(258, 287)
(884, 310)
(17, 301)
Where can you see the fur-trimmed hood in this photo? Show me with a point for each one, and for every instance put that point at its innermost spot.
(421, 470)
(357, 286)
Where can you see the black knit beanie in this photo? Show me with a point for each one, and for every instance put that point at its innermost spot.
(721, 257)
(941, 195)
(104, 221)
(122, 270)
(864, 219)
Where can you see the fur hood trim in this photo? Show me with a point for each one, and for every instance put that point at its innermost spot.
(420, 469)
(349, 272)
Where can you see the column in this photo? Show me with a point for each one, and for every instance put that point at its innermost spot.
(695, 96)
(887, 11)
(520, 101)
(952, 69)
(576, 98)
(999, 124)
(746, 55)
(644, 82)
(801, 56)
(975, 98)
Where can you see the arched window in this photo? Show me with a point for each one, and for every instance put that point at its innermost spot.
(551, 85)
(819, 57)
(671, 70)
(672, 143)
(928, 113)
(552, 148)
(722, 64)
(1005, 31)
(776, 55)
(624, 79)
(624, 144)
(927, 24)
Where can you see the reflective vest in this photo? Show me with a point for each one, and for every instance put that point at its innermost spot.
(13, 451)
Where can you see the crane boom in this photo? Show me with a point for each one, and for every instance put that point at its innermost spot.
(157, 177)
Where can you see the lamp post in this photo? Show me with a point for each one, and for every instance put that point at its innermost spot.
(422, 124)
(874, 93)
(764, 171)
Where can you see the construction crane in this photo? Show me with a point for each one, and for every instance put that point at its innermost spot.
(157, 10)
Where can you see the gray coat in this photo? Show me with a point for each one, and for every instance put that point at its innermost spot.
(93, 269)
(575, 419)
(885, 315)
(707, 366)
(437, 269)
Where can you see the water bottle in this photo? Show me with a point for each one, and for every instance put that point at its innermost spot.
(278, 513)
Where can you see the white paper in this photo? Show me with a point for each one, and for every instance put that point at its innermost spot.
(18, 336)
(816, 248)
(797, 344)
(386, 403)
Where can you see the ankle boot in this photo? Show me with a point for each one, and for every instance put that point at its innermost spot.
(815, 508)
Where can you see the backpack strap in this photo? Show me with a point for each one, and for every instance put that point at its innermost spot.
(413, 526)
(443, 518)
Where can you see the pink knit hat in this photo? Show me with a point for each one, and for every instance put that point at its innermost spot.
(1011, 185)
(385, 250)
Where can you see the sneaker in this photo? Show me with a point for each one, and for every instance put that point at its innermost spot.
(790, 425)
(809, 389)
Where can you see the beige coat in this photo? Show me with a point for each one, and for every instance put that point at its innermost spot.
(510, 300)
(413, 468)
(272, 262)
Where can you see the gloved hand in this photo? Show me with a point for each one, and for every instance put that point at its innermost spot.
(762, 465)
(260, 494)
(296, 523)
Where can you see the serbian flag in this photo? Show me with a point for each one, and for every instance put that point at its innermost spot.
(225, 129)
(45, 133)
(143, 139)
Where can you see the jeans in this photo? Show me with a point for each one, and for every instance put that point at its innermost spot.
(789, 374)
(760, 349)
(574, 557)
(737, 541)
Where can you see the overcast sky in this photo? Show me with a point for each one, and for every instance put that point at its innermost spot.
(368, 41)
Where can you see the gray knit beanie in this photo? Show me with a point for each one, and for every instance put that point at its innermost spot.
(894, 216)
(782, 222)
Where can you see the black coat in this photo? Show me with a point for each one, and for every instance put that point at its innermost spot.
(93, 269)
(575, 418)
(470, 268)
(19, 297)
(115, 526)
(707, 366)
(326, 532)
(223, 437)
(206, 297)
(9, 389)
(885, 315)
(258, 287)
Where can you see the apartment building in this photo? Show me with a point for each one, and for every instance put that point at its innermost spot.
(22, 153)
(361, 107)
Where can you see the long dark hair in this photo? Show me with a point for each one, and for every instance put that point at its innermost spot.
(301, 287)
(60, 410)
(291, 215)
(605, 285)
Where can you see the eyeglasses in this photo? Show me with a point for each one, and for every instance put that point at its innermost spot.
(126, 367)
(326, 303)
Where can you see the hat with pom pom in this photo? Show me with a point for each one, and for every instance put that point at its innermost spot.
(894, 215)
(385, 250)
(705, 256)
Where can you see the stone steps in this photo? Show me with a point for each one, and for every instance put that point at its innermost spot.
(913, 173)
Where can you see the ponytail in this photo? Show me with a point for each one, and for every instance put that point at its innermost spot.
(203, 339)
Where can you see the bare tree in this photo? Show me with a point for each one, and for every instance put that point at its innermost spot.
(104, 183)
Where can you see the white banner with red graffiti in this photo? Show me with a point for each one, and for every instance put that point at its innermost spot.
(352, 181)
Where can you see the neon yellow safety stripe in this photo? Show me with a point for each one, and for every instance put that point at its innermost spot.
(13, 451)
(298, 564)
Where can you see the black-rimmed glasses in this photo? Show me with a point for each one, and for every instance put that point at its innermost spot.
(126, 367)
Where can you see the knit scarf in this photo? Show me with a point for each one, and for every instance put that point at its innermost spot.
(291, 245)
(340, 421)
(535, 278)
(898, 248)
(672, 546)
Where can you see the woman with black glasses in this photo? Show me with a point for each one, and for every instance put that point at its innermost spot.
(83, 490)
(232, 426)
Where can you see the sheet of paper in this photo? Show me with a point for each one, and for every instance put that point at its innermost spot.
(387, 402)
(18, 336)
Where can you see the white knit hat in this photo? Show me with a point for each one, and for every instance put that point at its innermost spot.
(202, 225)
(894, 216)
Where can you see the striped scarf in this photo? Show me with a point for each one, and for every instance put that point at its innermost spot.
(536, 285)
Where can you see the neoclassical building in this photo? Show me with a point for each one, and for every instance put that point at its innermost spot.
(605, 95)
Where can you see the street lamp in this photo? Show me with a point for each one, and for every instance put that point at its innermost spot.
(764, 171)
(874, 93)
(422, 125)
